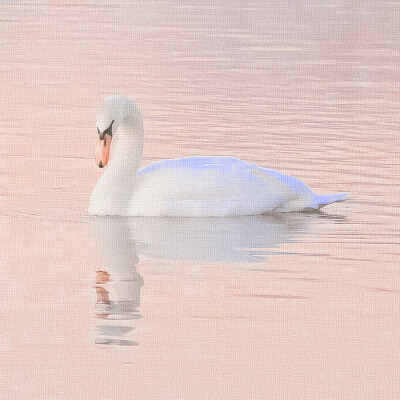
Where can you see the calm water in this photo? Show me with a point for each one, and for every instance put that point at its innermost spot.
(272, 307)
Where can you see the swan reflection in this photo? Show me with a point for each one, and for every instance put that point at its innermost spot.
(118, 283)
(122, 240)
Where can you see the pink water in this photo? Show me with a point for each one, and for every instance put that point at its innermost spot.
(293, 307)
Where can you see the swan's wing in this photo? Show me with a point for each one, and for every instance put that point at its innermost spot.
(231, 165)
(220, 186)
(208, 186)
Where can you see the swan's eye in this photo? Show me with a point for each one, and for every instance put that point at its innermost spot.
(98, 131)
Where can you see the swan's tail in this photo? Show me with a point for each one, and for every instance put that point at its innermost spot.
(320, 201)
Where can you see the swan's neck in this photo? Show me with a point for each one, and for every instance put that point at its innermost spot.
(128, 149)
(114, 191)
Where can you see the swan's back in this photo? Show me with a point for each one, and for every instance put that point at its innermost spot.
(213, 186)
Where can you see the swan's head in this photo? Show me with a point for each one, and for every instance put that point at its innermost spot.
(113, 113)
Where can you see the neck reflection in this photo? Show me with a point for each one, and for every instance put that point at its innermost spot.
(118, 283)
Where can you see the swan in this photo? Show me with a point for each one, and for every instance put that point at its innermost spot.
(185, 187)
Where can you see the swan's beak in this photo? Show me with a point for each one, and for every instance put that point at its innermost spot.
(103, 151)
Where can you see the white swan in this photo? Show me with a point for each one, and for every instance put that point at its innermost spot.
(190, 187)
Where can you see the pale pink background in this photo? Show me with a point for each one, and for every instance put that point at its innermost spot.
(308, 88)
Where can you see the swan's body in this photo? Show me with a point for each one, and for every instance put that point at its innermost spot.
(190, 187)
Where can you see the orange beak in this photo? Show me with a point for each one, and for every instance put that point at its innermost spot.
(103, 151)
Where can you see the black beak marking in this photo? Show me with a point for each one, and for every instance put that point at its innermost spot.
(108, 131)
(101, 165)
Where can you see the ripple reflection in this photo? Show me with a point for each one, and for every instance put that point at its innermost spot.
(122, 240)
